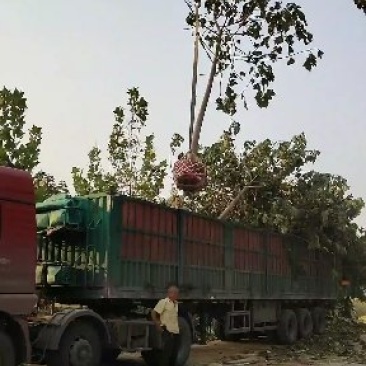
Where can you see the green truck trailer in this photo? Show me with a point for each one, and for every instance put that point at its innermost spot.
(113, 257)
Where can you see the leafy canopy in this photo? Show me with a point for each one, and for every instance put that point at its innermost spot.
(288, 198)
(16, 149)
(243, 39)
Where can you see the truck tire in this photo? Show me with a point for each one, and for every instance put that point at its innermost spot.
(319, 317)
(152, 357)
(7, 352)
(219, 331)
(185, 342)
(80, 345)
(305, 323)
(287, 328)
(110, 355)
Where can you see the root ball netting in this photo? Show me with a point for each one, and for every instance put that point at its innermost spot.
(190, 174)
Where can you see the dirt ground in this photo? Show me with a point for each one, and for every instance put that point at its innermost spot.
(243, 353)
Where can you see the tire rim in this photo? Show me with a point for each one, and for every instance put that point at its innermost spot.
(81, 353)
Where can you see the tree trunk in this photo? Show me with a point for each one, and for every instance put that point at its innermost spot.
(194, 76)
(198, 124)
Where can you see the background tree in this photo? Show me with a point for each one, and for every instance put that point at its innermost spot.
(135, 168)
(355, 265)
(95, 179)
(20, 148)
(326, 212)
(46, 186)
(17, 150)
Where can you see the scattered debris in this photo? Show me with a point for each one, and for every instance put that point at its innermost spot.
(344, 342)
(343, 338)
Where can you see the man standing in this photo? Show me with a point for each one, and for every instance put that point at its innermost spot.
(165, 316)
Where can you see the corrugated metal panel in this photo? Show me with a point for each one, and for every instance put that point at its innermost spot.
(204, 256)
(249, 261)
(278, 268)
(98, 240)
(146, 244)
(153, 245)
(133, 249)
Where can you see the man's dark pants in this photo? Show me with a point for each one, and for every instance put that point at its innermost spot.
(170, 348)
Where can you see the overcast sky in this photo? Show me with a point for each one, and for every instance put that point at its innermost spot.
(75, 59)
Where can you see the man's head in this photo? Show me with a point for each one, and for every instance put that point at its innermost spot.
(173, 292)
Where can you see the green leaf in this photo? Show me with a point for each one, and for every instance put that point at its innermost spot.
(310, 62)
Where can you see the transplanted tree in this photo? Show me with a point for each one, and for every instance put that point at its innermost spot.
(242, 40)
(316, 207)
(268, 166)
(135, 169)
(20, 148)
(361, 4)
(286, 198)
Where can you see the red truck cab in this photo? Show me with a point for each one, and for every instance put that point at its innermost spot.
(18, 235)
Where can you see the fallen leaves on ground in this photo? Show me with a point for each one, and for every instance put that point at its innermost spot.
(344, 338)
(344, 342)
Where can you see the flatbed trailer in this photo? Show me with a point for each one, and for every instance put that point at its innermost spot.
(114, 256)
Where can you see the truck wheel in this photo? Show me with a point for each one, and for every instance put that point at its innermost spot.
(152, 357)
(80, 345)
(219, 331)
(287, 327)
(185, 342)
(7, 353)
(110, 355)
(305, 323)
(319, 317)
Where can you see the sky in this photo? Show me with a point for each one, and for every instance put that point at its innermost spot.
(75, 59)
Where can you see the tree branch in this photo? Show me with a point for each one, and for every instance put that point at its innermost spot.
(189, 5)
(233, 203)
(209, 52)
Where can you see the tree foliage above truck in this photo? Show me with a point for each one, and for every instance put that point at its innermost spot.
(134, 166)
(288, 196)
